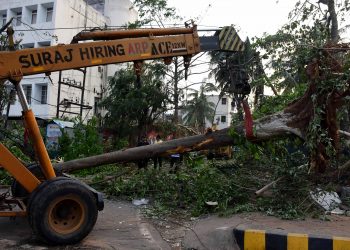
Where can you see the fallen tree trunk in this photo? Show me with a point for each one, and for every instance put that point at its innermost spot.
(182, 145)
(265, 129)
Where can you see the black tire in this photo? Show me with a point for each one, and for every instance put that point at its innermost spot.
(43, 185)
(62, 212)
(18, 191)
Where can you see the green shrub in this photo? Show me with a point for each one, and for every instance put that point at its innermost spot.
(85, 142)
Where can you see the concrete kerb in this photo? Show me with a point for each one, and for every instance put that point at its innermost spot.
(253, 239)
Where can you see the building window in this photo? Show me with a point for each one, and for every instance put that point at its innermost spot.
(34, 16)
(4, 18)
(223, 101)
(18, 18)
(28, 92)
(43, 99)
(49, 12)
(27, 45)
(223, 118)
(44, 44)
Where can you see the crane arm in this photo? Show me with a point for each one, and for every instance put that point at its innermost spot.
(118, 47)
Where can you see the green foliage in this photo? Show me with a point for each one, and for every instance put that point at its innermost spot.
(297, 43)
(230, 183)
(286, 160)
(13, 140)
(5, 177)
(130, 108)
(273, 104)
(98, 172)
(153, 12)
(190, 188)
(120, 144)
(290, 196)
(4, 97)
(306, 12)
(85, 142)
(317, 132)
(165, 127)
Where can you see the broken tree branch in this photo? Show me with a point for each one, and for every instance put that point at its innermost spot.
(268, 186)
(344, 133)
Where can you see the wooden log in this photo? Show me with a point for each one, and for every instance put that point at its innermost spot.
(269, 127)
(182, 145)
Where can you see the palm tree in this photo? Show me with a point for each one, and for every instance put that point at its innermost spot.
(232, 71)
(198, 109)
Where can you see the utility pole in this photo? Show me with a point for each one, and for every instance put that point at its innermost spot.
(82, 93)
(176, 94)
(59, 95)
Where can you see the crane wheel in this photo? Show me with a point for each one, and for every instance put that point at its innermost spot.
(63, 212)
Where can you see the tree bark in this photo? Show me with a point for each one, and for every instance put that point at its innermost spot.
(334, 22)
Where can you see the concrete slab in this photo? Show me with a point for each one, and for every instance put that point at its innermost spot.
(119, 226)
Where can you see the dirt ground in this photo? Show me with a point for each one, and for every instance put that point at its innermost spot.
(173, 229)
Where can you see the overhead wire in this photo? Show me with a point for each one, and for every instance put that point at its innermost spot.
(204, 13)
(109, 27)
(31, 29)
(43, 103)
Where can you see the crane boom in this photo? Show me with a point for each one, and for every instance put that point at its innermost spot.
(71, 56)
(117, 47)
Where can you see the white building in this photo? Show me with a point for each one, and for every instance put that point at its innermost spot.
(223, 112)
(40, 23)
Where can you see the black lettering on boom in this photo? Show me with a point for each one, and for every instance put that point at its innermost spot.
(101, 51)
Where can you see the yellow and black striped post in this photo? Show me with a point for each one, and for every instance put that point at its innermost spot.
(229, 40)
(225, 39)
(249, 239)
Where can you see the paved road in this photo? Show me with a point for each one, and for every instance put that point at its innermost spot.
(119, 226)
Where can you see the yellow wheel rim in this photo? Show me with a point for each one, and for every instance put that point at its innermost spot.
(66, 214)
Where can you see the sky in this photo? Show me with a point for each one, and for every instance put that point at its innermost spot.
(251, 17)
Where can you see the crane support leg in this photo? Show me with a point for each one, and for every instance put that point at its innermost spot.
(34, 134)
(38, 143)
